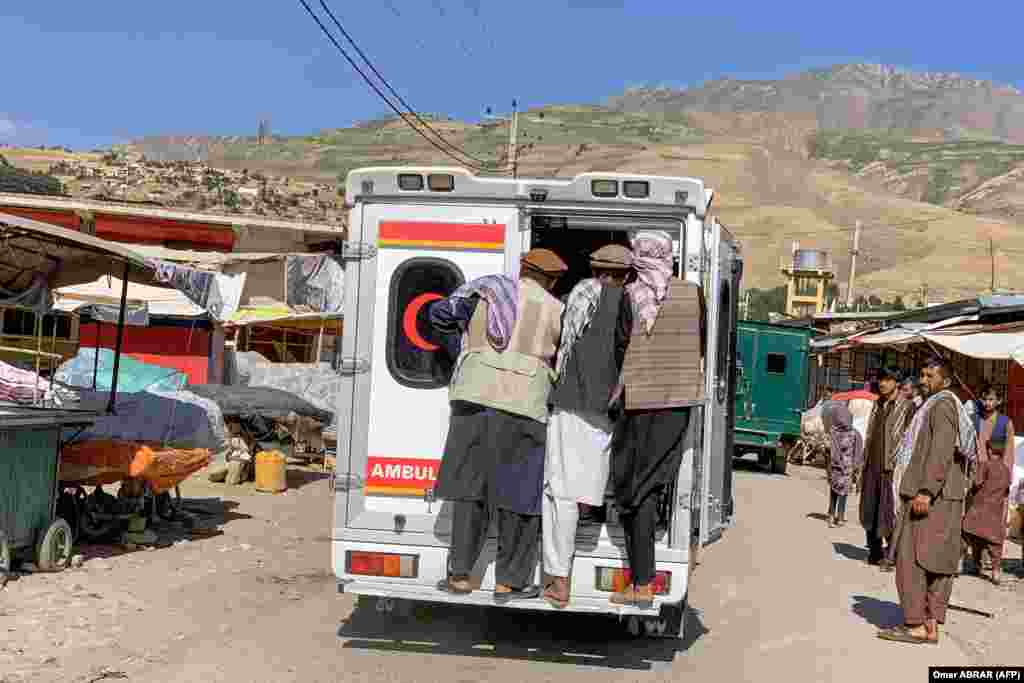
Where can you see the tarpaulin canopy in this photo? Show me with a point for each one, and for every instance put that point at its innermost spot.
(106, 291)
(981, 345)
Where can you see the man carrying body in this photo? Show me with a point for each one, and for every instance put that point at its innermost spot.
(937, 446)
(889, 417)
(595, 332)
(494, 453)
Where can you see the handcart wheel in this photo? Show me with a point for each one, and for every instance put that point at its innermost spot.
(88, 525)
(168, 506)
(54, 550)
(5, 559)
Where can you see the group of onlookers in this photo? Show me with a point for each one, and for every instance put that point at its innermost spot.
(934, 474)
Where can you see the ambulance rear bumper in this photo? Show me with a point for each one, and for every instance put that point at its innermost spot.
(433, 561)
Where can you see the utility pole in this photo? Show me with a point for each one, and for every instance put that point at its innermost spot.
(853, 265)
(513, 152)
(992, 254)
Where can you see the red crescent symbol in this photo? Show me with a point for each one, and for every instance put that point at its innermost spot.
(409, 320)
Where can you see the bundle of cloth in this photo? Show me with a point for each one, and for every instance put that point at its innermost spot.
(18, 385)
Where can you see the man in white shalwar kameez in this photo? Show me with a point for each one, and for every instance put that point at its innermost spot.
(595, 333)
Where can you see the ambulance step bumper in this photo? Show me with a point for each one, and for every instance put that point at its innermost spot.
(485, 598)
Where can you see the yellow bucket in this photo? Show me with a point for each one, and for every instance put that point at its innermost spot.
(270, 472)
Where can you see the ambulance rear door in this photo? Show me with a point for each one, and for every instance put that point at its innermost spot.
(394, 413)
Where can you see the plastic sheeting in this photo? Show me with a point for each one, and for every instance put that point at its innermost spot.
(259, 402)
(317, 383)
(316, 282)
(217, 293)
(36, 297)
(132, 375)
(178, 419)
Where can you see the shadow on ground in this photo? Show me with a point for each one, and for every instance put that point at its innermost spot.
(201, 518)
(878, 613)
(750, 464)
(509, 634)
(851, 552)
(817, 515)
(298, 478)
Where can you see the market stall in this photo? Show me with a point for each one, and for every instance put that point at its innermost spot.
(35, 259)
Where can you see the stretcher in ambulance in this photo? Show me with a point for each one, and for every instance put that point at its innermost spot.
(415, 235)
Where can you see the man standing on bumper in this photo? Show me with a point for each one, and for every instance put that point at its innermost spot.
(885, 427)
(493, 459)
(940, 439)
(661, 376)
(595, 332)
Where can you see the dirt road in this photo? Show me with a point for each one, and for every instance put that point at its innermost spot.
(780, 596)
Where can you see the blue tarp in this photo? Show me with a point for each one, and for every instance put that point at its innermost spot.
(133, 375)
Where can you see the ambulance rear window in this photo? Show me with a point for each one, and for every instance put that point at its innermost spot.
(416, 355)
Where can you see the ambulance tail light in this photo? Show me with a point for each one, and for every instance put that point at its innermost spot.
(390, 565)
(612, 580)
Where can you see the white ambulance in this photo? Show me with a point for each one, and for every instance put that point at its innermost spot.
(416, 234)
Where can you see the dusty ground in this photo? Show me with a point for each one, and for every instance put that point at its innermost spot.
(780, 596)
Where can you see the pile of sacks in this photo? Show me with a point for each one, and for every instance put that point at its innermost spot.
(237, 467)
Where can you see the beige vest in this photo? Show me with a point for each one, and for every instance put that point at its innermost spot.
(664, 370)
(519, 379)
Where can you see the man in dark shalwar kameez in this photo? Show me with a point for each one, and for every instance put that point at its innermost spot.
(889, 418)
(493, 461)
(940, 442)
(662, 376)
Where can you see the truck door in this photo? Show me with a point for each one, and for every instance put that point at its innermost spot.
(778, 394)
(390, 445)
(719, 365)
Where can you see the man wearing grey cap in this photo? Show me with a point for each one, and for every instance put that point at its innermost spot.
(595, 332)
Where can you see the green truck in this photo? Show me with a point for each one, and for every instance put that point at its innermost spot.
(772, 377)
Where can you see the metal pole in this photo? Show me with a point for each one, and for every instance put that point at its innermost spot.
(992, 254)
(39, 355)
(320, 343)
(120, 340)
(513, 152)
(96, 356)
(853, 264)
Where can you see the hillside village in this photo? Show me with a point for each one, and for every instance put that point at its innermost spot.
(128, 176)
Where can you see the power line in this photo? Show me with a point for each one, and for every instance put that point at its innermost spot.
(383, 80)
(380, 94)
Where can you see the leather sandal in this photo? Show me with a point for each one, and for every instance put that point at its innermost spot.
(458, 585)
(557, 592)
(902, 634)
(503, 593)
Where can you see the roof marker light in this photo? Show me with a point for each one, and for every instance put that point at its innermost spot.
(441, 182)
(410, 182)
(604, 188)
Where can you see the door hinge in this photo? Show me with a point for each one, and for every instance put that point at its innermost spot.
(347, 481)
(357, 251)
(353, 366)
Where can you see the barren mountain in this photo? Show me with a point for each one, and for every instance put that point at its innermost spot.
(856, 97)
(931, 164)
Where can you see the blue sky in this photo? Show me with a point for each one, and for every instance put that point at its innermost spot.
(88, 74)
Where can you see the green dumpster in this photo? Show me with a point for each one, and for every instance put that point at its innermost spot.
(29, 456)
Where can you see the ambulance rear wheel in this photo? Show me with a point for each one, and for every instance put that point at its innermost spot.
(671, 620)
